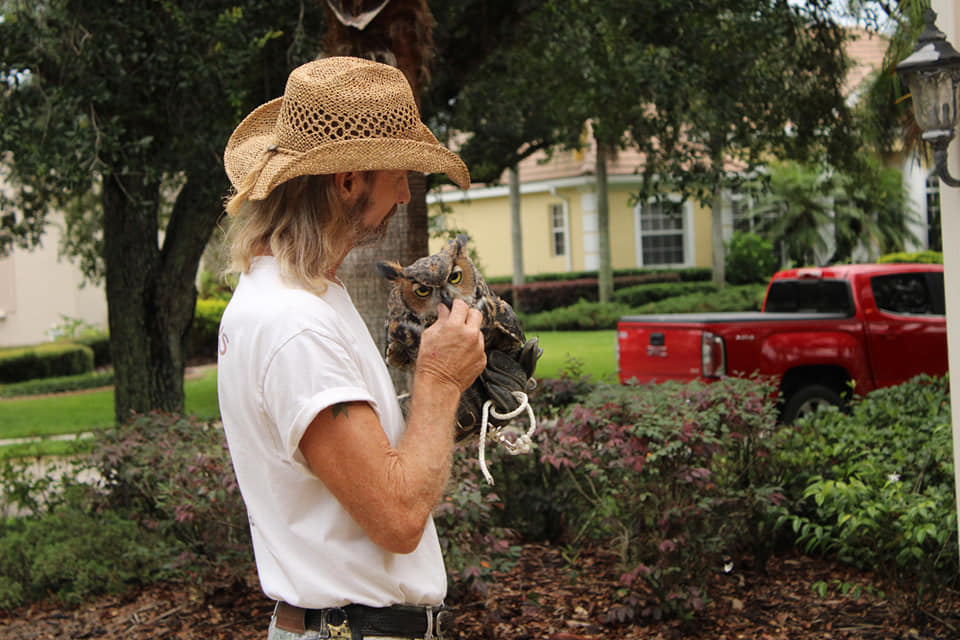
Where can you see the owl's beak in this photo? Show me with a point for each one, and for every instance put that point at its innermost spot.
(446, 299)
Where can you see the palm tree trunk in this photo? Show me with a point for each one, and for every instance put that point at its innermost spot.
(400, 35)
(605, 275)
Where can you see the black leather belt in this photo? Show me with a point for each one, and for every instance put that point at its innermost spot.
(399, 621)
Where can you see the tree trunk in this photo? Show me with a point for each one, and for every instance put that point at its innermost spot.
(605, 275)
(151, 294)
(401, 35)
(516, 235)
(716, 227)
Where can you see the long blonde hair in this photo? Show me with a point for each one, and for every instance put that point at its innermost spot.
(303, 223)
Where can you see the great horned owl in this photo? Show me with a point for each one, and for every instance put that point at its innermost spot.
(412, 307)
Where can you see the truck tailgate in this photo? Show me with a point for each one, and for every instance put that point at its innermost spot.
(655, 348)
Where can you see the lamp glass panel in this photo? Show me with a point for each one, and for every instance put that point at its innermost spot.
(935, 99)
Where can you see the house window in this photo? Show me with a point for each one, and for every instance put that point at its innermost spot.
(661, 233)
(558, 229)
(934, 237)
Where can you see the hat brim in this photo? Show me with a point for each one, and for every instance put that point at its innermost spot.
(245, 149)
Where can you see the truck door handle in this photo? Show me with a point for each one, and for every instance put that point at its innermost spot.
(657, 339)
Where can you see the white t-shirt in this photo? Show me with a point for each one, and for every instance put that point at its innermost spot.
(285, 355)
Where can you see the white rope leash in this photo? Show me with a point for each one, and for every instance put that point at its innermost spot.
(523, 441)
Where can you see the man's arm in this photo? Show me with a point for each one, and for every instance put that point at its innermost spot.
(390, 491)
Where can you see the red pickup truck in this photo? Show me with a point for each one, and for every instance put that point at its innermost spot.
(874, 325)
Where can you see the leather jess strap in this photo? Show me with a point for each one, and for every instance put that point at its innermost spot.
(399, 621)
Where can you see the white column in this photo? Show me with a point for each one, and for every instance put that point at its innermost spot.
(948, 20)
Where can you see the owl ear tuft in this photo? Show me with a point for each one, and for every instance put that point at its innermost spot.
(462, 239)
(389, 270)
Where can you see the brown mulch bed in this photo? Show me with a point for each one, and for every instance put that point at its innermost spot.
(545, 597)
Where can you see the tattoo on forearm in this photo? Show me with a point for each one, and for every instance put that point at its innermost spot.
(341, 407)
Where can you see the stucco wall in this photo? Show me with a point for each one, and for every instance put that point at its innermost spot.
(37, 288)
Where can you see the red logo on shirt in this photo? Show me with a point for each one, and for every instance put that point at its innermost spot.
(223, 343)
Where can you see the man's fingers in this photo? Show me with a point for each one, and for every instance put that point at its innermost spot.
(474, 319)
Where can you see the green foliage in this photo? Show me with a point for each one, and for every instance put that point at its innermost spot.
(116, 114)
(688, 274)
(206, 327)
(550, 292)
(44, 361)
(874, 486)
(748, 297)
(673, 476)
(596, 316)
(923, 257)
(749, 259)
(92, 380)
(553, 395)
(641, 294)
(571, 61)
(167, 505)
(474, 544)
(174, 475)
(866, 205)
(582, 316)
(100, 343)
(794, 208)
(72, 554)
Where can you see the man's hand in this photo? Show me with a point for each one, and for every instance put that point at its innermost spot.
(451, 349)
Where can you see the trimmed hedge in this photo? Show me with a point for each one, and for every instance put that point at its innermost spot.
(645, 293)
(548, 294)
(41, 386)
(44, 361)
(924, 257)
(100, 343)
(688, 274)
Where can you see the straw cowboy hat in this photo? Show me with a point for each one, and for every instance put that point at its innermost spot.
(336, 115)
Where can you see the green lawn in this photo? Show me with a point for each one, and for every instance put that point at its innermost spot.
(76, 413)
(594, 350)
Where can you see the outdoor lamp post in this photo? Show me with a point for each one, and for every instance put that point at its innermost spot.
(932, 73)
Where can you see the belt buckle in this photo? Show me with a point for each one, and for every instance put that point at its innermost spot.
(334, 624)
(444, 622)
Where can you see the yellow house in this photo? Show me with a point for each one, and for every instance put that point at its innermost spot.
(558, 207)
(559, 219)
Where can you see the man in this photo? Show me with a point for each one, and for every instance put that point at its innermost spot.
(338, 488)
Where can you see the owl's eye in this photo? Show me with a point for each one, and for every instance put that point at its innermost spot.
(422, 291)
(456, 276)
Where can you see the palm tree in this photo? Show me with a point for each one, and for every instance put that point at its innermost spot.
(801, 205)
(793, 212)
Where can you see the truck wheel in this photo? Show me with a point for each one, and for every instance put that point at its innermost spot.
(807, 400)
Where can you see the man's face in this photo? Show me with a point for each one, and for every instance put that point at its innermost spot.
(383, 191)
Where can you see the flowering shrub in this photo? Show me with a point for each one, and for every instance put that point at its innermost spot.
(675, 477)
(174, 475)
(166, 506)
(474, 543)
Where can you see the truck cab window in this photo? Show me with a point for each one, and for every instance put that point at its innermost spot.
(909, 293)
